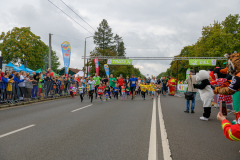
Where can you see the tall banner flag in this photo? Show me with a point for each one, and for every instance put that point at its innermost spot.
(66, 51)
(106, 70)
(97, 65)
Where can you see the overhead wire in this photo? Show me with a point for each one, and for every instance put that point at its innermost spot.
(70, 17)
(78, 15)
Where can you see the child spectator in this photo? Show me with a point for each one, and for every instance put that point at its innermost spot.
(10, 87)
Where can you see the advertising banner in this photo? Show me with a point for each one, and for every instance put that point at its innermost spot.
(106, 70)
(119, 61)
(182, 87)
(66, 51)
(97, 65)
(202, 62)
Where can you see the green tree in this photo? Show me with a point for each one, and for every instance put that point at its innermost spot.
(20, 44)
(103, 37)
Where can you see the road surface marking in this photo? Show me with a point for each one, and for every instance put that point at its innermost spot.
(81, 108)
(18, 130)
(165, 143)
(152, 153)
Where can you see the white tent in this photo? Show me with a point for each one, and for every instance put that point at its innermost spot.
(80, 73)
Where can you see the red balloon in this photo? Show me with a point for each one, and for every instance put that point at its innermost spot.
(51, 74)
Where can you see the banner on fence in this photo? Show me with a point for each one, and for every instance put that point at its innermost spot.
(97, 65)
(202, 62)
(106, 70)
(66, 51)
(182, 87)
(119, 61)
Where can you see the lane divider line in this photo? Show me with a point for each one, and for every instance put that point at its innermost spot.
(15, 131)
(152, 153)
(165, 143)
(81, 108)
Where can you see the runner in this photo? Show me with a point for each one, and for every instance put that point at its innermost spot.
(81, 90)
(97, 79)
(133, 83)
(120, 82)
(164, 86)
(108, 91)
(100, 91)
(123, 89)
(91, 84)
(112, 81)
(143, 88)
(116, 90)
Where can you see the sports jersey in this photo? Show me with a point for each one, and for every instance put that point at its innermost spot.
(97, 79)
(143, 87)
(164, 83)
(133, 82)
(115, 89)
(123, 88)
(152, 88)
(107, 88)
(112, 84)
(100, 90)
(91, 85)
(81, 89)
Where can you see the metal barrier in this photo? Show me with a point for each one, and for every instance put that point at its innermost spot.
(49, 89)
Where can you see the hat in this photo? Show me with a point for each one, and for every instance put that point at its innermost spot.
(220, 75)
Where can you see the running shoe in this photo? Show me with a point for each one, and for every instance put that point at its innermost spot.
(204, 118)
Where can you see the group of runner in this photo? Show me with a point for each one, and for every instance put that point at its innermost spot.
(112, 87)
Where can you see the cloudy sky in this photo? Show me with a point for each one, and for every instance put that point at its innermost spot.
(153, 28)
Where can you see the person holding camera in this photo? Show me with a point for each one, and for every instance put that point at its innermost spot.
(191, 91)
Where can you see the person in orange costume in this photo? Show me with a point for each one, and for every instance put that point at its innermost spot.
(172, 85)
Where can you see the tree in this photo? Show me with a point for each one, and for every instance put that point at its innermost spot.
(103, 37)
(216, 40)
(54, 60)
(20, 44)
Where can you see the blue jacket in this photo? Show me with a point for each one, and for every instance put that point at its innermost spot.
(3, 83)
(17, 81)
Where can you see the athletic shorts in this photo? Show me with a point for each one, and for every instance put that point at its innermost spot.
(133, 89)
(164, 88)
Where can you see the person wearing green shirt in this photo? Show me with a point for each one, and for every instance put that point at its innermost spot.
(112, 81)
(96, 78)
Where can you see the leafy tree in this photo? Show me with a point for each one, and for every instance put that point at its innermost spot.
(216, 40)
(54, 60)
(103, 38)
(20, 44)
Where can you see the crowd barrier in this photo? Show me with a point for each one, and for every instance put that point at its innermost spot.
(49, 89)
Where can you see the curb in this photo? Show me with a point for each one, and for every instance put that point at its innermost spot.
(33, 101)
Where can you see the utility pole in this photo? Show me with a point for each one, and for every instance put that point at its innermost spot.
(85, 55)
(50, 48)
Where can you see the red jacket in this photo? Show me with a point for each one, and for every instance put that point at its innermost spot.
(120, 82)
(232, 132)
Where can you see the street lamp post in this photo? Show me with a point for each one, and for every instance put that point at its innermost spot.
(85, 55)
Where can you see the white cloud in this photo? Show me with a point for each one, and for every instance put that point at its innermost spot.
(149, 28)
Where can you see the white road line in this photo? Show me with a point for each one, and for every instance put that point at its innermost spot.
(81, 108)
(152, 153)
(165, 143)
(18, 130)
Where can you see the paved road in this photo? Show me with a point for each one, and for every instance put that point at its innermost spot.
(112, 130)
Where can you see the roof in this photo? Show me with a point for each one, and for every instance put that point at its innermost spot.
(74, 70)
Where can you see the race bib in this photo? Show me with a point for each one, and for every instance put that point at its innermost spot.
(133, 82)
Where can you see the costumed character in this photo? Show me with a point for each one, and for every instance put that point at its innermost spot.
(172, 85)
(222, 81)
(233, 66)
(206, 92)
